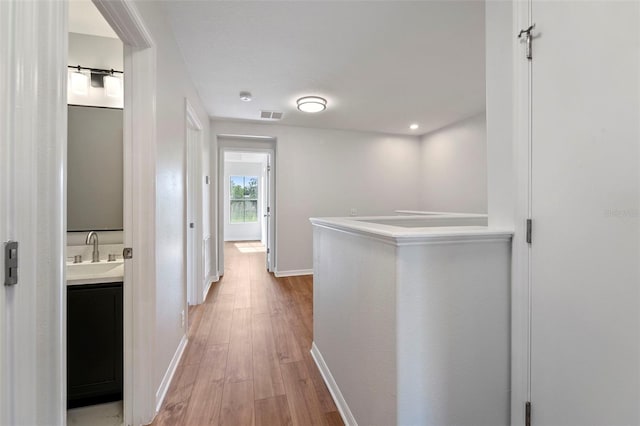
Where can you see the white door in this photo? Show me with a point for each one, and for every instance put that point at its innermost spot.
(191, 196)
(585, 255)
(267, 212)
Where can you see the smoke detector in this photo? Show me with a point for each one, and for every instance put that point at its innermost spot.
(245, 96)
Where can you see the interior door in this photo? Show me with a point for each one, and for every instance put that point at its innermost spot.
(585, 254)
(267, 213)
(191, 176)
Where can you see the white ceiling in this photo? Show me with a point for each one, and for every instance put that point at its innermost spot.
(381, 64)
(84, 18)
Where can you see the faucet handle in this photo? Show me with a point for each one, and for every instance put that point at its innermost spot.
(77, 258)
(112, 257)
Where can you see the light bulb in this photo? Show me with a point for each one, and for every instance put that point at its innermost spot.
(112, 86)
(79, 83)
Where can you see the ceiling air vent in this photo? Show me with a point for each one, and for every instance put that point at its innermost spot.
(271, 115)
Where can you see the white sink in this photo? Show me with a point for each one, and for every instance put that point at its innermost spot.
(90, 270)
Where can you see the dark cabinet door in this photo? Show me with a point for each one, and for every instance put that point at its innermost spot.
(94, 344)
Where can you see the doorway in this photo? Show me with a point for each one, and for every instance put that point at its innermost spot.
(95, 267)
(246, 200)
(139, 201)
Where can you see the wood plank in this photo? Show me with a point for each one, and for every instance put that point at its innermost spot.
(237, 404)
(304, 405)
(324, 396)
(267, 378)
(240, 362)
(174, 406)
(273, 412)
(286, 342)
(206, 397)
(259, 296)
(243, 294)
(334, 419)
(222, 315)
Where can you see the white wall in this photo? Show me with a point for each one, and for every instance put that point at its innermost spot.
(323, 172)
(173, 86)
(499, 93)
(243, 231)
(95, 52)
(454, 167)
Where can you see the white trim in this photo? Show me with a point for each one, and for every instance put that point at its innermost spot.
(293, 273)
(334, 390)
(171, 371)
(520, 293)
(124, 18)
(428, 213)
(208, 284)
(192, 116)
(139, 207)
(444, 235)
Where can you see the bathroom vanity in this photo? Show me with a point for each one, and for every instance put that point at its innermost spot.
(411, 318)
(94, 331)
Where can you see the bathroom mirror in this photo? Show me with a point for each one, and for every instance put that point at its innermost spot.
(94, 169)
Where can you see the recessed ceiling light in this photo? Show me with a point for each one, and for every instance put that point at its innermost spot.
(312, 104)
(245, 96)
(414, 126)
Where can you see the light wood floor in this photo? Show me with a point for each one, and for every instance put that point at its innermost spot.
(247, 361)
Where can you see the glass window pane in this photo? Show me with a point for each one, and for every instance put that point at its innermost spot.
(250, 211)
(243, 194)
(237, 212)
(251, 187)
(236, 188)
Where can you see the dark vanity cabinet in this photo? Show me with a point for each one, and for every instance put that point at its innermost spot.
(94, 344)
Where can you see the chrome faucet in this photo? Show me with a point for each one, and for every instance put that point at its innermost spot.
(96, 254)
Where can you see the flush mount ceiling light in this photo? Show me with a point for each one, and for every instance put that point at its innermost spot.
(414, 126)
(245, 96)
(312, 104)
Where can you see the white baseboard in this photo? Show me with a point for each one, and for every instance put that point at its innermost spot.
(293, 273)
(168, 376)
(343, 408)
(207, 285)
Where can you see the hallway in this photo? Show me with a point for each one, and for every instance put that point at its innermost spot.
(247, 361)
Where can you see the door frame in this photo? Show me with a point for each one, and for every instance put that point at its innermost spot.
(243, 143)
(521, 250)
(139, 207)
(193, 194)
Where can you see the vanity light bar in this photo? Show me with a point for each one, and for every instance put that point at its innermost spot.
(95, 70)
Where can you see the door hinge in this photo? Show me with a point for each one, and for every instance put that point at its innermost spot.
(527, 413)
(269, 167)
(268, 209)
(528, 39)
(529, 230)
(127, 253)
(268, 250)
(10, 263)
